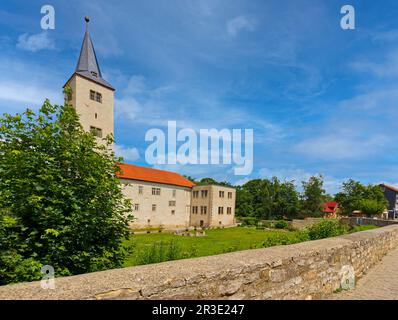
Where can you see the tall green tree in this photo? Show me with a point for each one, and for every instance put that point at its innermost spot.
(287, 203)
(60, 201)
(267, 199)
(313, 196)
(356, 196)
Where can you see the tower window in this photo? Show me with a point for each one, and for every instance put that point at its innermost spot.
(96, 96)
(96, 132)
(96, 116)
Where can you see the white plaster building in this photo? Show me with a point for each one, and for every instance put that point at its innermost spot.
(160, 198)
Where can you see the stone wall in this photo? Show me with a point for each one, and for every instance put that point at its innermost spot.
(308, 270)
(357, 221)
(301, 224)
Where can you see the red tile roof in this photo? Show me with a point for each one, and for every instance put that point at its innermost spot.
(330, 204)
(133, 172)
(389, 187)
(329, 207)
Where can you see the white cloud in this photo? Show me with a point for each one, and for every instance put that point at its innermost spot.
(128, 154)
(35, 42)
(26, 93)
(341, 146)
(330, 183)
(234, 26)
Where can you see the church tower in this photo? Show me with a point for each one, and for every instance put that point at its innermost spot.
(92, 96)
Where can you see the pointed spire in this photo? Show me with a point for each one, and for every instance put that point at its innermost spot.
(88, 66)
(88, 59)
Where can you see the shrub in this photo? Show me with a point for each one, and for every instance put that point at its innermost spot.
(281, 224)
(285, 238)
(164, 251)
(65, 206)
(371, 207)
(249, 221)
(326, 229)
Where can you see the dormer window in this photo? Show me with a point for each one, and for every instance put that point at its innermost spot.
(94, 74)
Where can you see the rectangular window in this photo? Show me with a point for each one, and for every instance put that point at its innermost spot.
(221, 194)
(195, 194)
(173, 212)
(140, 189)
(220, 210)
(172, 203)
(194, 209)
(96, 132)
(204, 193)
(98, 97)
(156, 191)
(154, 207)
(203, 210)
(136, 207)
(229, 210)
(229, 195)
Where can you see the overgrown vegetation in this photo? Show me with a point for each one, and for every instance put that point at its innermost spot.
(272, 199)
(164, 251)
(155, 248)
(326, 229)
(369, 199)
(61, 203)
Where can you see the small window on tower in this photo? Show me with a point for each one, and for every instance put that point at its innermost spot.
(96, 116)
(96, 132)
(98, 97)
(92, 95)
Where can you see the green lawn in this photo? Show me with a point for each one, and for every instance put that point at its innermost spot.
(158, 247)
(216, 241)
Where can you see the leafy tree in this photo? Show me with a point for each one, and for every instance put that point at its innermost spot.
(371, 207)
(60, 198)
(287, 202)
(313, 196)
(350, 196)
(356, 196)
(244, 203)
(267, 199)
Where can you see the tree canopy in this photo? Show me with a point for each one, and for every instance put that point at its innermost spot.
(60, 200)
(355, 196)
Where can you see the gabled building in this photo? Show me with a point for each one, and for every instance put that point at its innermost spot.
(330, 209)
(391, 194)
(160, 198)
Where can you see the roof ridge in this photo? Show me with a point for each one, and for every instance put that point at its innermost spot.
(140, 173)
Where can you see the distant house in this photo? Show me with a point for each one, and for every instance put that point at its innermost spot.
(391, 194)
(330, 209)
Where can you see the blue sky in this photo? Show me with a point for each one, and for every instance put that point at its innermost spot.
(320, 99)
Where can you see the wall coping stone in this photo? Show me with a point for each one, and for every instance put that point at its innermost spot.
(159, 280)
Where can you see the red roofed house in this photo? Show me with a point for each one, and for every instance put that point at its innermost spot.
(160, 198)
(330, 209)
(166, 199)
